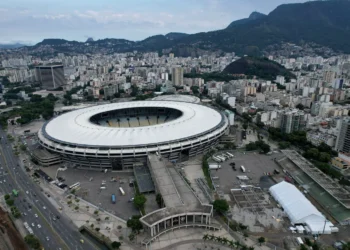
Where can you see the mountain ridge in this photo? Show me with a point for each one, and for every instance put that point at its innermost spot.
(325, 23)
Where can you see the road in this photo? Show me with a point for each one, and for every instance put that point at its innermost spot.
(61, 233)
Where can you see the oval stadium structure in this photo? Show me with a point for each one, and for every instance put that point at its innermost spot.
(119, 135)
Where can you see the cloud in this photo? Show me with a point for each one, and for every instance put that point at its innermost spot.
(132, 19)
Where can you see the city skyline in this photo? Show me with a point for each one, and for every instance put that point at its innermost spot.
(24, 22)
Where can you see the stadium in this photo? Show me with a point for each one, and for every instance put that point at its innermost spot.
(118, 136)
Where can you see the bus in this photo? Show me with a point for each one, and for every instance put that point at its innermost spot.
(122, 191)
(113, 198)
(74, 185)
(228, 153)
(15, 192)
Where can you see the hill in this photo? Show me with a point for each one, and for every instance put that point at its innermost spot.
(325, 23)
(260, 67)
(254, 16)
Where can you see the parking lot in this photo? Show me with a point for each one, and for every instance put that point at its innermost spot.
(90, 190)
(249, 200)
(256, 166)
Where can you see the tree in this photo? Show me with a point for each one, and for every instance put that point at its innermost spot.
(251, 146)
(325, 157)
(283, 144)
(96, 212)
(116, 245)
(300, 106)
(265, 147)
(139, 201)
(221, 206)
(134, 90)
(134, 223)
(159, 199)
(205, 237)
(312, 153)
(303, 247)
(261, 240)
(10, 202)
(32, 241)
(245, 126)
(23, 147)
(7, 196)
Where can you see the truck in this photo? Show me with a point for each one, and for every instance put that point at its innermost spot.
(214, 166)
(226, 155)
(231, 155)
(243, 169)
(221, 158)
(217, 159)
(121, 191)
(113, 198)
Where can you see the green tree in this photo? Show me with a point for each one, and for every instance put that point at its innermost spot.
(283, 144)
(159, 199)
(10, 202)
(265, 147)
(303, 247)
(139, 201)
(134, 223)
(134, 90)
(96, 212)
(251, 146)
(116, 245)
(221, 206)
(300, 106)
(312, 153)
(23, 147)
(325, 157)
(261, 240)
(7, 196)
(245, 126)
(32, 241)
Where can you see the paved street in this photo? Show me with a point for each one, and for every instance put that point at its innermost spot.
(61, 232)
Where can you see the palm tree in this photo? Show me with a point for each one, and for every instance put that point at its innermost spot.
(212, 237)
(231, 244)
(224, 241)
(218, 239)
(206, 237)
(237, 244)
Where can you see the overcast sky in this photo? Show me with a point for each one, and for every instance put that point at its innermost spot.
(30, 21)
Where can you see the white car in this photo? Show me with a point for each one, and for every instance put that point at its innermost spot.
(47, 238)
(4, 181)
(44, 207)
(39, 226)
(33, 225)
(0, 182)
(36, 216)
(27, 192)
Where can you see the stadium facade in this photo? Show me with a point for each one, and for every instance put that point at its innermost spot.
(116, 136)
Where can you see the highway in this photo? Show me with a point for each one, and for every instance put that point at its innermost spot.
(61, 232)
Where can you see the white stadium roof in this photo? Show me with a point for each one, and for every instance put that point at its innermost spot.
(299, 209)
(75, 127)
(178, 98)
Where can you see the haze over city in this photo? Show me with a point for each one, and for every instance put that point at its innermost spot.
(30, 22)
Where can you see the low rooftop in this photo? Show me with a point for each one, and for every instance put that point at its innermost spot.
(176, 193)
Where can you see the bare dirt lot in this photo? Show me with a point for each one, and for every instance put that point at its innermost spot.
(9, 236)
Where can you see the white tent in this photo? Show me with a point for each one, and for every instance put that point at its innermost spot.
(299, 209)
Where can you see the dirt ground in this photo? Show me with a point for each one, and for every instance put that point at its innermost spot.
(9, 236)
